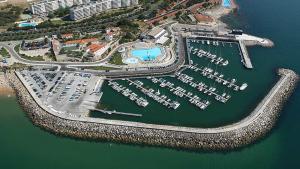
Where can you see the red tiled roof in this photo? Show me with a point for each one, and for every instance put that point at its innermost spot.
(95, 47)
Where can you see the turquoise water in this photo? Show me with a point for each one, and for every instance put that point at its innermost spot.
(27, 24)
(24, 146)
(226, 3)
(146, 54)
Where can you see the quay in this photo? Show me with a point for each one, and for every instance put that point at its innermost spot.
(117, 113)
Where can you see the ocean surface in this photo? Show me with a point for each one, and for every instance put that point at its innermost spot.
(24, 146)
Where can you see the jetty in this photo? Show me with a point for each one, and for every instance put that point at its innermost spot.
(179, 91)
(128, 93)
(117, 113)
(202, 87)
(245, 58)
(216, 76)
(164, 100)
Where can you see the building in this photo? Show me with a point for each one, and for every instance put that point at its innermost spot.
(158, 35)
(80, 8)
(67, 36)
(86, 10)
(97, 50)
(45, 6)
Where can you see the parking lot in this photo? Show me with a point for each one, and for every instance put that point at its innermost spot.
(73, 94)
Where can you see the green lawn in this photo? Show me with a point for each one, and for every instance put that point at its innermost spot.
(35, 58)
(4, 53)
(116, 59)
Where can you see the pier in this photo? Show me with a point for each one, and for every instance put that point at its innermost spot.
(211, 74)
(155, 95)
(179, 91)
(212, 57)
(244, 55)
(202, 87)
(128, 93)
(117, 113)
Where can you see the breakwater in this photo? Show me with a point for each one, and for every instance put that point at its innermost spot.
(248, 130)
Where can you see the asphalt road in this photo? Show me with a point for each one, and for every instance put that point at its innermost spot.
(71, 66)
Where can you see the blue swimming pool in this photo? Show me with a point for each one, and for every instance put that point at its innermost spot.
(27, 24)
(148, 54)
(226, 3)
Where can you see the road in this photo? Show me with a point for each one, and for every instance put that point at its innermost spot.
(116, 73)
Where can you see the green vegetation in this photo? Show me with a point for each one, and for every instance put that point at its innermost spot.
(4, 53)
(9, 14)
(116, 59)
(130, 29)
(35, 58)
(61, 12)
(18, 66)
(71, 52)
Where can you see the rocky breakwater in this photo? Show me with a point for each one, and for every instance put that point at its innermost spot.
(248, 130)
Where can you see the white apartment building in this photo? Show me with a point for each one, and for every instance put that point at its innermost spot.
(95, 7)
(45, 6)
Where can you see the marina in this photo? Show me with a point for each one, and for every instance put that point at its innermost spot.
(218, 77)
(218, 60)
(155, 95)
(128, 93)
(179, 91)
(202, 87)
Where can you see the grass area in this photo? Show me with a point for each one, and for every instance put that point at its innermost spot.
(18, 66)
(35, 58)
(116, 59)
(4, 53)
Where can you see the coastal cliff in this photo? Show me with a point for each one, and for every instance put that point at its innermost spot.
(224, 138)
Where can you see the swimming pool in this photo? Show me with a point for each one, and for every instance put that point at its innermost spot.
(226, 3)
(27, 24)
(148, 54)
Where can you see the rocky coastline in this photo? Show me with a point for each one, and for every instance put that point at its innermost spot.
(227, 140)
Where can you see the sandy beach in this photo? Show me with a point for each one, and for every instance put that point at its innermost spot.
(5, 89)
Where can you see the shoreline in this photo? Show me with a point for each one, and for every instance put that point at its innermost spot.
(254, 127)
(5, 88)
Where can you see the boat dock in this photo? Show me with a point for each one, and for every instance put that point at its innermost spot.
(213, 58)
(128, 93)
(178, 91)
(211, 74)
(164, 100)
(117, 113)
(202, 87)
(245, 58)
